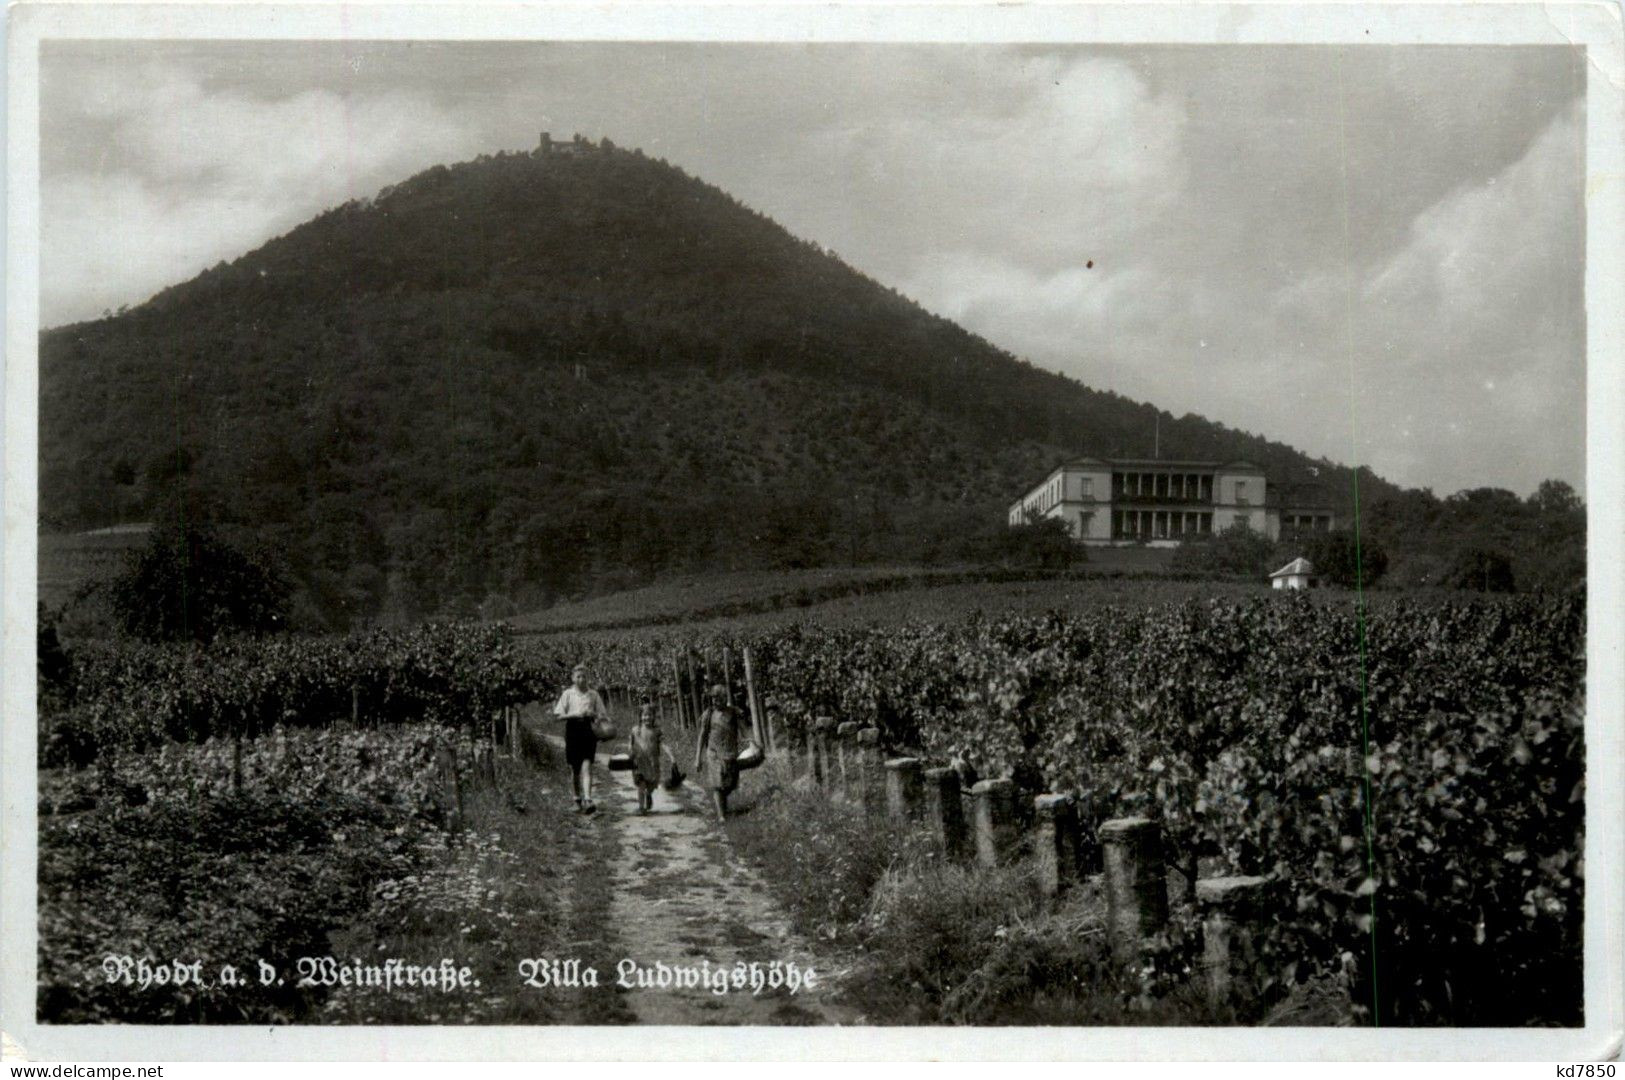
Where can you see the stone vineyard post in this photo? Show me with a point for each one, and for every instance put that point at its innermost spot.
(1136, 882)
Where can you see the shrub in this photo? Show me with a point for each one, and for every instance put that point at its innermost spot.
(53, 666)
(1236, 550)
(825, 858)
(1347, 560)
(1481, 570)
(934, 924)
(190, 583)
(1039, 543)
(228, 877)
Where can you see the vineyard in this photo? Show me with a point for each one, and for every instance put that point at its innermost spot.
(1409, 780)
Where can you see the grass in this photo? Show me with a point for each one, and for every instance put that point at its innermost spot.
(941, 603)
(681, 596)
(589, 935)
(70, 561)
(492, 896)
(939, 942)
(728, 595)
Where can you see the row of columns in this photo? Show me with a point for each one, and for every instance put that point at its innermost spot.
(1158, 485)
(1163, 523)
(999, 830)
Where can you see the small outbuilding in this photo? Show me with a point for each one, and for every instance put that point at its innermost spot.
(1294, 575)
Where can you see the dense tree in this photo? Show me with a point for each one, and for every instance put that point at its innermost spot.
(1348, 560)
(1040, 542)
(189, 582)
(1236, 550)
(52, 664)
(1555, 497)
(1439, 542)
(1481, 570)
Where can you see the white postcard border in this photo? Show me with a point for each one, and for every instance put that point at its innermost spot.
(1594, 27)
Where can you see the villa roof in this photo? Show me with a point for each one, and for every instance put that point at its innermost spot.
(1300, 565)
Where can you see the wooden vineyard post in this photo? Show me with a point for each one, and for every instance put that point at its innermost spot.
(457, 793)
(728, 675)
(445, 759)
(762, 737)
(677, 685)
(685, 693)
(776, 730)
(693, 690)
(355, 706)
(237, 751)
(705, 694)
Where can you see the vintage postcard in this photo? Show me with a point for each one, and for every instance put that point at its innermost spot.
(961, 531)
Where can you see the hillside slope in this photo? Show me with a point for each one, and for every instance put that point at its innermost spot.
(524, 375)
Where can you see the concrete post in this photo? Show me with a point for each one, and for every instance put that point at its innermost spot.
(995, 821)
(1055, 842)
(846, 757)
(1136, 882)
(871, 770)
(905, 788)
(945, 811)
(1229, 907)
(818, 749)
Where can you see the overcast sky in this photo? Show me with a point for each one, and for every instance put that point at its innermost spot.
(1375, 254)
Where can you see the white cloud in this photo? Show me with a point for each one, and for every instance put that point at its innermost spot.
(1063, 161)
(1488, 288)
(187, 177)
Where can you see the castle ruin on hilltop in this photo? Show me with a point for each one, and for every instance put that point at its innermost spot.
(577, 146)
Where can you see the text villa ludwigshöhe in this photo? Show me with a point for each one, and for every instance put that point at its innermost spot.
(739, 977)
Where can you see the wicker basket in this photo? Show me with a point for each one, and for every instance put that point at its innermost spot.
(620, 763)
(603, 730)
(750, 758)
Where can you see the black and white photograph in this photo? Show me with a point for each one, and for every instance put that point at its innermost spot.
(836, 531)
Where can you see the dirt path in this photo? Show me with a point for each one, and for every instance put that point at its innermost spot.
(678, 896)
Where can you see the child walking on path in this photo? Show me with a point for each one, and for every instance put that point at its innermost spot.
(716, 752)
(579, 706)
(645, 750)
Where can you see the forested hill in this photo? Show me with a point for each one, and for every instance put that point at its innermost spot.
(527, 374)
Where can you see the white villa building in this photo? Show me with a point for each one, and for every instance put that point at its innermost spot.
(1157, 502)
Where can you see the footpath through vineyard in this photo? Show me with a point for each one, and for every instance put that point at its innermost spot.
(679, 897)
